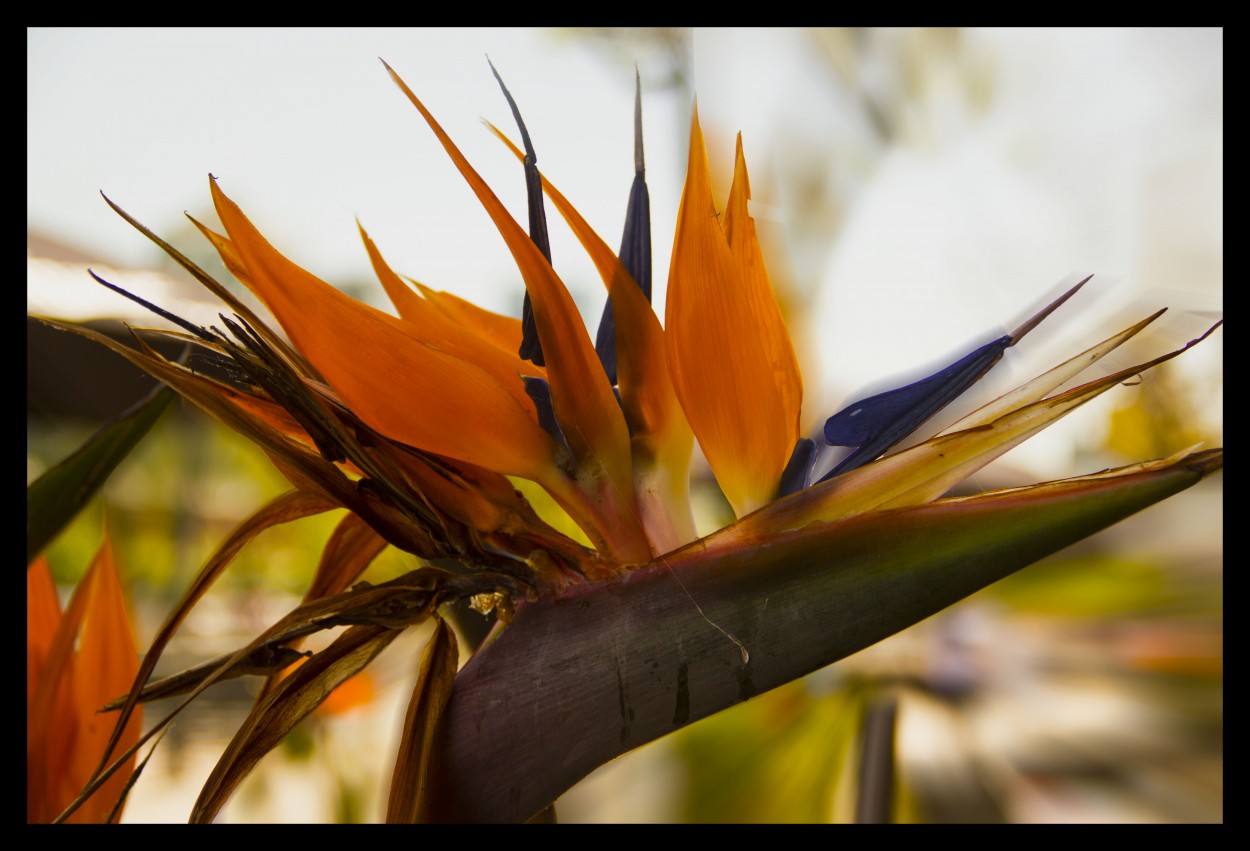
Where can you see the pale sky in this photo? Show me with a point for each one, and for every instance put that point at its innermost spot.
(306, 131)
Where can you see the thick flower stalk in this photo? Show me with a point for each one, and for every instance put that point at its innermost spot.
(418, 424)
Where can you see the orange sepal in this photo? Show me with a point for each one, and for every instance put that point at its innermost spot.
(647, 394)
(581, 396)
(761, 300)
(43, 614)
(229, 258)
(502, 331)
(90, 659)
(724, 370)
(661, 437)
(433, 326)
(398, 384)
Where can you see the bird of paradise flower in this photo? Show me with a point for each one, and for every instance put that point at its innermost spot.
(75, 661)
(419, 424)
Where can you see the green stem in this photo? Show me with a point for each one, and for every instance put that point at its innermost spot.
(580, 679)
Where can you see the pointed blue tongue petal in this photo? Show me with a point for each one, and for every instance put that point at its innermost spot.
(635, 251)
(879, 422)
(798, 472)
(531, 349)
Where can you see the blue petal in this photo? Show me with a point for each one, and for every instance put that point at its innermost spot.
(798, 472)
(879, 422)
(635, 251)
(531, 349)
(540, 392)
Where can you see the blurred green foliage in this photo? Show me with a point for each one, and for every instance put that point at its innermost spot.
(173, 501)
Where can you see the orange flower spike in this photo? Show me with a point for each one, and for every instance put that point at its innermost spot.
(408, 304)
(734, 381)
(401, 386)
(51, 726)
(582, 398)
(229, 258)
(44, 713)
(432, 326)
(90, 659)
(43, 613)
(662, 439)
(758, 294)
(497, 329)
(646, 390)
(105, 666)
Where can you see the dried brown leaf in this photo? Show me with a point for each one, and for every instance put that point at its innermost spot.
(288, 704)
(408, 799)
(288, 507)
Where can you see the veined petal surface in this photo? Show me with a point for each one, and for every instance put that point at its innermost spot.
(735, 385)
(91, 658)
(661, 437)
(759, 296)
(924, 472)
(581, 397)
(405, 388)
(43, 613)
(432, 326)
(502, 331)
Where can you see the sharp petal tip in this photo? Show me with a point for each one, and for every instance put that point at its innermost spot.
(516, 114)
(1037, 318)
(1205, 334)
(639, 163)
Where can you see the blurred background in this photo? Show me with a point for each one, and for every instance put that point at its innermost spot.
(917, 190)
